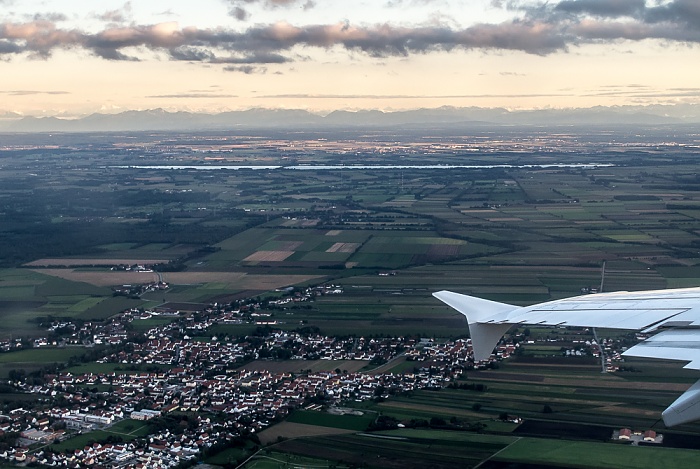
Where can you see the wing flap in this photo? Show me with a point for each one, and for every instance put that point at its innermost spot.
(648, 310)
(673, 344)
(605, 318)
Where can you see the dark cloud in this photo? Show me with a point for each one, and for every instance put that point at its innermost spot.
(604, 8)
(237, 7)
(681, 11)
(38, 38)
(257, 58)
(118, 16)
(191, 54)
(609, 20)
(239, 13)
(247, 69)
(54, 17)
(9, 47)
(543, 29)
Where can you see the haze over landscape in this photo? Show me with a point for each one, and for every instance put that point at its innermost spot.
(63, 60)
(377, 233)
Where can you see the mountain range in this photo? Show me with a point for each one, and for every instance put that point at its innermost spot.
(161, 120)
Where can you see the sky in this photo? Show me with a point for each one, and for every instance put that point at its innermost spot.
(71, 58)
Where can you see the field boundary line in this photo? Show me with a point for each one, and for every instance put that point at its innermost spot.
(498, 452)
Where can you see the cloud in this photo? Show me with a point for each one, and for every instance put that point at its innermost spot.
(237, 10)
(406, 96)
(9, 47)
(385, 40)
(38, 37)
(603, 8)
(31, 92)
(680, 11)
(588, 21)
(402, 3)
(541, 29)
(239, 13)
(193, 95)
(54, 17)
(118, 16)
(247, 69)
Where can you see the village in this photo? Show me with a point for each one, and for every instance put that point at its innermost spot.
(204, 387)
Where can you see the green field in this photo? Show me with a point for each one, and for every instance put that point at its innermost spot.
(324, 419)
(388, 238)
(520, 235)
(582, 454)
(409, 449)
(269, 459)
(125, 430)
(41, 355)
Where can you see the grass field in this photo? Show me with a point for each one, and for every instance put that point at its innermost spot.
(268, 459)
(41, 355)
(324, 419)
(434, 449)
(521, 237)
(582, 454)
(389, 239)
(125, 430)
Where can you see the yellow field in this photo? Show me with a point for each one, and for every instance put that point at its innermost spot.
(268, 256)
(343, 247)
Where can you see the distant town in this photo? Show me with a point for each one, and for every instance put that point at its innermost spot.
(209, 380)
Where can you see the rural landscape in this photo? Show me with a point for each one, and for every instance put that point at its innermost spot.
(263, 298)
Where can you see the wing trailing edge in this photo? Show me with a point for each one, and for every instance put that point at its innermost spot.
(673, 313)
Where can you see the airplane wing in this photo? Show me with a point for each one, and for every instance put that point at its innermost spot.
(675, 313)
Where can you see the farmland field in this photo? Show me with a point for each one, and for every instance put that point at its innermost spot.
(408, 449)
(90, 262)
(386, 239)
(593, 455)
(324, 419)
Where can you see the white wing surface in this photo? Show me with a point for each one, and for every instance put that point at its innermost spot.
(676, 313)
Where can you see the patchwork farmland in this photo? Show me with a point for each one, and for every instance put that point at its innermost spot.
(386, 239)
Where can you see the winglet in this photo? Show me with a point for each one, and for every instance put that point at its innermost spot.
(484, 335)
(684, 409)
